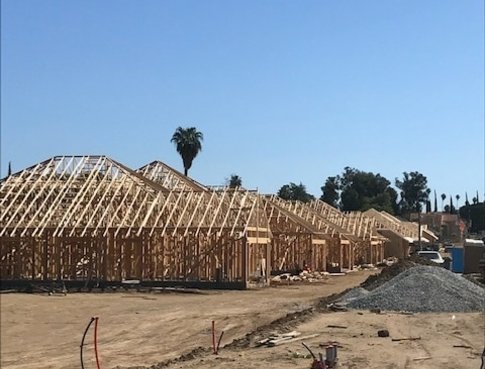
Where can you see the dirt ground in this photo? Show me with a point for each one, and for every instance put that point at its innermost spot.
(143, 329)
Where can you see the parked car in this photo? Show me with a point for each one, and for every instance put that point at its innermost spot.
(433, 256)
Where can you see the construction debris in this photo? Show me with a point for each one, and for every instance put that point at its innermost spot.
(383, 333)
(304, 276)
(275, 338)
(406, 339)
(278, 339)
(337, 307)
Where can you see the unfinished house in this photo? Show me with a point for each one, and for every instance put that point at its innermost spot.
(258, 238)
(296, 244)
(344, 247)
(368, 245)
(89, 220)
(402, 235)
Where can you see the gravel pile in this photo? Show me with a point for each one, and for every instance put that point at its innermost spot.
(424, 289)
(353, 294)
(393, 270)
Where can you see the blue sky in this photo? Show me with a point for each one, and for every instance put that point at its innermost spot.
(282, 90)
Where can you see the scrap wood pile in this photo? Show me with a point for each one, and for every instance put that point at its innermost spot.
(276, 339)
(409, 286)
(304, 276)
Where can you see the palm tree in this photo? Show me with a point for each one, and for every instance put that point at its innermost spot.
(188, 144)
(457, 199)
(443, 198)
(235, 181)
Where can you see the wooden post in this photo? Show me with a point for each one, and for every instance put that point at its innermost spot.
(341, 255)
(325, 250)
(33, 258)
(245, 273)
(46, 247)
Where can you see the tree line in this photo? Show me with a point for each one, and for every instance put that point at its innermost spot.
(357, 190)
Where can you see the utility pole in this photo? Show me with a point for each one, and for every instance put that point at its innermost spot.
(419, 231)
(419, 226)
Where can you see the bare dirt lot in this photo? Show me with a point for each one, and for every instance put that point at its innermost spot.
(143, 329)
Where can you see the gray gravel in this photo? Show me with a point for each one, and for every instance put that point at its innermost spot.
(353, 294)
(424, 289)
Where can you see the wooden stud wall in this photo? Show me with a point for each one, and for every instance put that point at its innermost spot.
(163, 258)
(92, 218)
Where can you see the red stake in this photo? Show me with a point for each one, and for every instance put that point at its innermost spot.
(96, 341)
(214, 337)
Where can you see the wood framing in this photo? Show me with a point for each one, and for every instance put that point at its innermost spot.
(92, 218)
(356, 242)
(296, 244)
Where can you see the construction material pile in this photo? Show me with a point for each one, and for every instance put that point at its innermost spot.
(304, 276)
(422, 288)
(354, 294)
(393, 270)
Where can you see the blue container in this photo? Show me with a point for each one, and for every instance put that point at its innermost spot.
(457, 256)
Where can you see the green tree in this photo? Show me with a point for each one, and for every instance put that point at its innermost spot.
(452, 208)
(365, 190)
(414, 191)
(435, 202)
(235, 181)
(475, 216)
(330, 191)
(188, 142)
(293, 191)
(443, 198)
(9, 173)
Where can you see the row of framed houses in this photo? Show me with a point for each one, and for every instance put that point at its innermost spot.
(92, 220)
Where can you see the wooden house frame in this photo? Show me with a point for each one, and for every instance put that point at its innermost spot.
(402, 235)
(384, 220)
(92, 219)
(356, 242)
(296, 244)
(369, 245)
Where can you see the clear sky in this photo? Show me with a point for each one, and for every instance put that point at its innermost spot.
(282, 90)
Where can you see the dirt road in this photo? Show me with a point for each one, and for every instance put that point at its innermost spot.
(41, 331)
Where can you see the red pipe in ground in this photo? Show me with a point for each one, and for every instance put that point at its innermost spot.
(96, 341)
